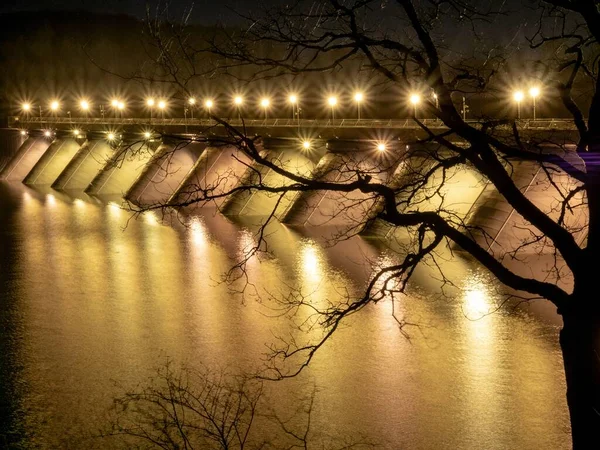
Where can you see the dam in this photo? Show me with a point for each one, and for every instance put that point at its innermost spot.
(167, 162)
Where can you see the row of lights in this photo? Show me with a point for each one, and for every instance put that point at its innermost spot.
(238, 101)
(111, 136)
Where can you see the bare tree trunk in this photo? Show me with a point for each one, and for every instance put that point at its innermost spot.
(580, 344)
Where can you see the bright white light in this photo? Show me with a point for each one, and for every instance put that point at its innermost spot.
(293, 99)
(54, 105)
(358, 97)
(192, 101)
(47, 133)
(150, 102)
(306, 145)
(534, 91)
(147, 135)
(121, 105)
(435, 96)
(84, 105)
(162, 104)
(381, 147)
(76, 132)
(518, 96)
(332, 101)
(26, 107)
(114, 103)
(23, 133)
(415, 99)
(208, 103)
(238, 100)
(110, 136)
(265, 102)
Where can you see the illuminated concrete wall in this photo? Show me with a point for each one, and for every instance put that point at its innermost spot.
(26, 157)
(339, 208)
(53, 162)
(11, 141)
(219, 169)
(85, 165)
(122, 170)
(164, 174)
(286, 154)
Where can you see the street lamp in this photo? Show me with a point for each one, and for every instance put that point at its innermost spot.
(162, 105)
(54, 106)
(84, 105)
(238, 100)
(115, 105)
(518, 97)
(358, 98)
(208, 104)
(534, 92)
(415, 99)
(293, 99)
(150, 105)
(192, 102)
(332, 102)
(306, 145)
(265, 102)
(381, 147)
(26, 107)
(121, 107)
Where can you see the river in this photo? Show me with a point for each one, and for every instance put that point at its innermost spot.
(92, 301)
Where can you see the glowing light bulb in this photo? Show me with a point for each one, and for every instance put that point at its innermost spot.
(306, 145)
(415, 99)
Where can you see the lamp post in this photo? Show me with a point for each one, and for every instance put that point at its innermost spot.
(332, 102)
(192, 102)
(238, 101)
(415, 99)
(161, 106)
(534, 92)
(293, 99)
(265, 102)
(84, 106)
(150, 104)
(208, 104)
(358, 98)
(115, 105)
(518, 97)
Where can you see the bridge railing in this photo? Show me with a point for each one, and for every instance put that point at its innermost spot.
(42, 122)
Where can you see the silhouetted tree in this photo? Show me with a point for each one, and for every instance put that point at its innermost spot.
(409, 43)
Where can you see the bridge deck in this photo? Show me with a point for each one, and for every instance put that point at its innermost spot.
(43, 122)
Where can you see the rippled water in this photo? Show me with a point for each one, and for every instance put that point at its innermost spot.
(85, 302)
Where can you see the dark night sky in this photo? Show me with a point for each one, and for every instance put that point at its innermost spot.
(204, 11)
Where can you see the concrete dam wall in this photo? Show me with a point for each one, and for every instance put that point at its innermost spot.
(155, 173)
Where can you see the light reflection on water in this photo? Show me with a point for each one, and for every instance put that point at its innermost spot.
(92, 297)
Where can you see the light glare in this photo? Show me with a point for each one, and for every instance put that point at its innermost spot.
(534, 91)
(332, 101)
(358, 97)
(518, 96)
(415, 99)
